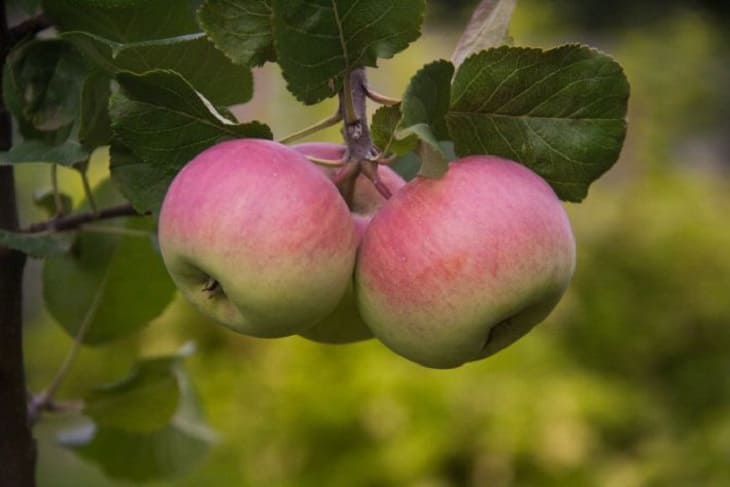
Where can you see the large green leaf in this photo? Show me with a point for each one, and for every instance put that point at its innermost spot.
(113, 283)
(142, 402)
(160, 123)
(193, 56)
(94, 124)
(170, 451)
(124, 20)
(425, 104)
(486, 28)
(560, 112)
(42, 83)
(37, 244)
(318, 42)
(241, 29)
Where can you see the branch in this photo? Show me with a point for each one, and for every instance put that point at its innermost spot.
(28, 28)
(72, 222)
(46, 401)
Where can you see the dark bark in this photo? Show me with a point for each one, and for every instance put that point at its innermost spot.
(17, 447)
(74, 221)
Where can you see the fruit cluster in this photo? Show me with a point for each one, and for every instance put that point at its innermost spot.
(447, 271)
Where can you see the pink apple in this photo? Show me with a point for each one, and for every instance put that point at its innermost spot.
(258, 238)
(345, 325)
(454, 269)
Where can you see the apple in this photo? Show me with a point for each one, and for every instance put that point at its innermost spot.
(344, 324)
(258, 238)
(454, 269)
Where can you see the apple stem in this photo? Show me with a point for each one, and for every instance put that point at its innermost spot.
(380, 98)
(330, 121)
(327, 162)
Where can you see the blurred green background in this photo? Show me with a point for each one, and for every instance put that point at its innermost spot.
(626, 384)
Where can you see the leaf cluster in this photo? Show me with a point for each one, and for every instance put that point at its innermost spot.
(152, 81)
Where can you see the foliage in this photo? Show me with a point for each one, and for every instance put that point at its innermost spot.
(119, 75)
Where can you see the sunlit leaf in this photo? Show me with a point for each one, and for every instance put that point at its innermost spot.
(559, 112)
(486, 28)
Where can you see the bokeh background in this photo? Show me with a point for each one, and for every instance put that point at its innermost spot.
(626, 384)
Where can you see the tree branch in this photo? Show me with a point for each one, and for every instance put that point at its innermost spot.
(17, 446)
(28, 28)
(74, 221)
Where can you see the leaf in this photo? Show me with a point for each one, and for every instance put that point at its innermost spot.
(170, 451)
(113, 283)
(240, 29)
(486, 28)
(29, 7)
(193, 56)
(318, 42)
(425, 103)
(45, 198)
(124, 20)
(383, 128)
(38, 245)
(94, 124)
(142, 402)
(559, 112)
(160, 123)
(42, 85)
(68, 153)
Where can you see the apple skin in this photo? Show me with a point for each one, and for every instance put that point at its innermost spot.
(269, 227)
(344, 324)
(454, 269)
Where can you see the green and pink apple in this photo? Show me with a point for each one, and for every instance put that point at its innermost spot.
(345, 325)
(453, 269)
(258, 238)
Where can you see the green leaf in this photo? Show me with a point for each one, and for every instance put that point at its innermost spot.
(486, 28)
(193, 56)
(38, 245)
(42, 85)
(559, 112)
(28, 7)
(94, 124)
(240, 29)
(68, 153)
(46, 199)
(318, 42)
(425, 104)
(168, 452)
(142, 402)
(124, 20)
(383, 127)
(160, 123)
(114, 282)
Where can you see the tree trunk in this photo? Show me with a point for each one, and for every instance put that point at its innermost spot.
(17, 447)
